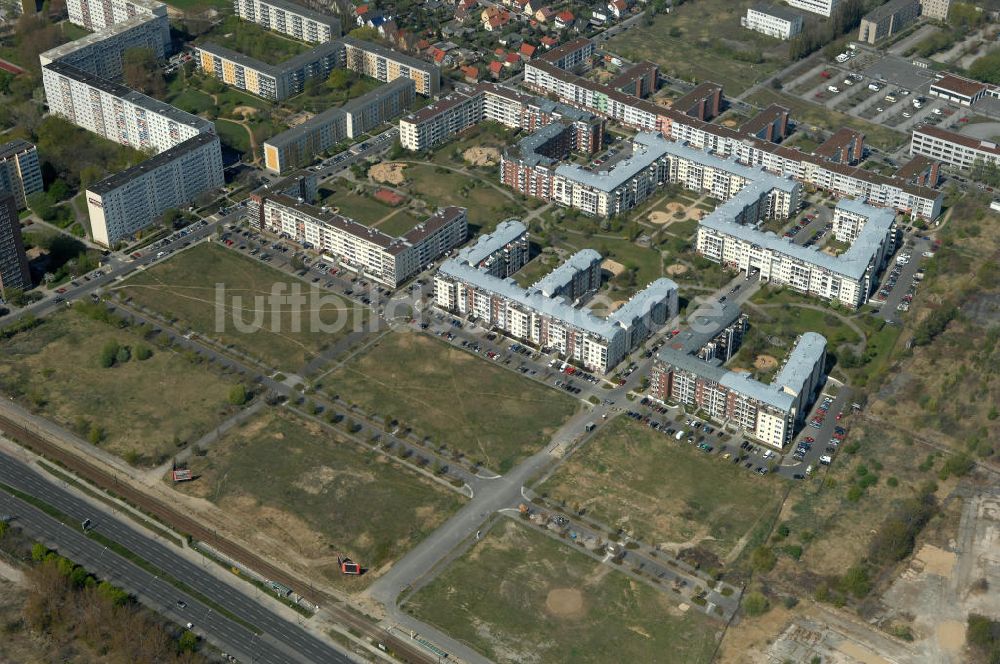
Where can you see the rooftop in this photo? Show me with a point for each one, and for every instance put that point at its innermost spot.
(958, 139)
(388, 53)
(94, 38)
(292, 64)
(959, 85)
(563, 275)
(14, 147)
(295, 8)
(783, 13)
(117, 180)
(506, 232)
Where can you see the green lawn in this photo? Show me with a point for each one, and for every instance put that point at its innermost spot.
(665, 492)
(644, 262)
(399, 223)
(439, 187)
(141, 405)
(686, 45)
(193, 101)
(288, 478)
(254, 41)
(318, 98)
(814, 116)
(538, 267)
(185, 288)
(233, 135)
(489, 413)
(521, 596)
(360, 207)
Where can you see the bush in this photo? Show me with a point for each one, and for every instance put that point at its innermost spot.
(856, 582)
(238, 394)
(763, 559)
(108, 354)
(755, 604)
(958, 465)
(143, 352)
(793, 551)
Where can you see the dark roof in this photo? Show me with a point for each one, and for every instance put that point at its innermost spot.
(763, 119)
(958, 85)
(915, 166)
(118, 179)
(297, 62)
(779, 12)
(837, 141)
(319, 17)
(15, 147)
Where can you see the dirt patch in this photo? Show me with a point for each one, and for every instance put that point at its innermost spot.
(479, 156)
(389, 173)
(676, 269)
(614, 267)
(951, 635)
(765, 362)
(565, 603)
(245, 111)
(670, 216)
(729, 123)
(936, 561)
(860, 653)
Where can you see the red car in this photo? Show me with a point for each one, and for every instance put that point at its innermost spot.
(137, 255)
(825, 74)
(60, 290)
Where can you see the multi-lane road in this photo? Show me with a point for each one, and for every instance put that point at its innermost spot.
(279, 640)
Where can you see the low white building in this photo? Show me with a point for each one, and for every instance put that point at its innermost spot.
(953, 148)
(778, 22)
(821, 7)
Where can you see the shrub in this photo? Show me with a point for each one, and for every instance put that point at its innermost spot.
(763, 559)
(755, 604)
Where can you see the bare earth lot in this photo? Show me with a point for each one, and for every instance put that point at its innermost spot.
(304, 496)
(490, 414)
(521, 597)
(664, 492)
(140, 405)
(184, 288)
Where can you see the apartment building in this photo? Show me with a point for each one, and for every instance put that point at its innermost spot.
(778, 22)
(848, 278)
(528, 314)
(579, 276)
(274, 82)
(653, 163)
(500, 253)
(95, 15)
(129, 201)
(372, 253)
(770, 412)
(289, 18)
(821, 7)
(384, 64)
(936, 9)
(20, 172)
(887, 20)
(438, 122)
(116, 112)
(14, 271)
(301, 144)
(953, 148)
(101, 53)
(770, 124)
(574, 55)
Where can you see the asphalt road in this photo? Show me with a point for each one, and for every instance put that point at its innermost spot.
(281, 641)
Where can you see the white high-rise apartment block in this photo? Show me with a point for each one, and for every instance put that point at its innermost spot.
(117, 112)
(20, 172)
(821, 7)
(127, 202)
(772, 21)
(101, 53)
(99, 14)
(290, 19)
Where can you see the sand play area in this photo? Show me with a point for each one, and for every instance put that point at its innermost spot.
(245, 111)
(479, 156)
(614, 267)
(388, 173)
(676, 269)
(670, 216)
(765, 362)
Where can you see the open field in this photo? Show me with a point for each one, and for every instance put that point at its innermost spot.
(183, 288)
(663, 492)
(360, 207)
(234, 135)
(140, 405)
(487, 204)
(302, 491)
(521, 596)
(812, 115)
(488, 413)
(400, 222)
(685, 45)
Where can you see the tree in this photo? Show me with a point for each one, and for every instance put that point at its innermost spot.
(41, 204)
(123, 355)
(238, 394)
(188, 641)
(364, 33)
(142, 72)
(987, 68)
(108, 354)
(338, 79)
(143, 352)
(763, 559)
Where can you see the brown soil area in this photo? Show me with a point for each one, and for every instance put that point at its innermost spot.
(614, 267)
(479, 156)
(765, 362)
(565, 603)
(245, 111)
(388, 173)
(676, 269)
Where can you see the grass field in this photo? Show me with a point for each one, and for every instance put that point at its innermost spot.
(812, 115)
(400, 222)
(360, 207)
(491, 414)
(439, 187)
(318, 496)
(663, 491)
(254, 41)
(193, 101)
(684, 44)
(184, 288)
(537, 267)
(521, 596)
(233, 135)
(140, 405)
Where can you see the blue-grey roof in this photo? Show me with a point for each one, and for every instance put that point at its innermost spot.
(644, 154)
(506, 232)
(853, 263)
(563, 275)
(642, 302)
(809, 350)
